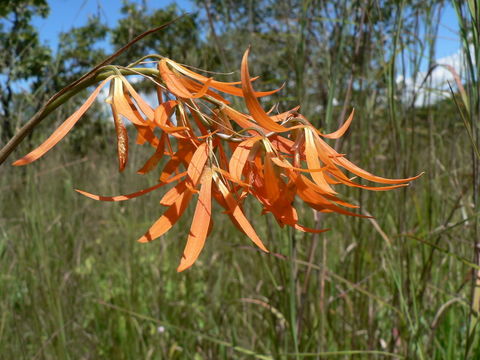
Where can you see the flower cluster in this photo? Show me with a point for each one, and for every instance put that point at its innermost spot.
(212, 151)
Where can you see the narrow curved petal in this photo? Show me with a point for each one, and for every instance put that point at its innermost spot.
(62, 130)
(146, 109)
(132, 195)
(240, 156)
(313, 162)
(224, 87)
(200, 225)
(252, 103)
(169, 218)
(237, 213)
(341, 131)
(155, 158)
(197, 163)
(164, 111)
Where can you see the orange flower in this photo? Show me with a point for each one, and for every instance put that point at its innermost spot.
(276, 159)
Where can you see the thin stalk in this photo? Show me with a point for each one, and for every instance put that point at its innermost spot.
(468, 15)
(292, 289)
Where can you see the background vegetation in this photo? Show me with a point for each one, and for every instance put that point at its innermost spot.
(75, 285)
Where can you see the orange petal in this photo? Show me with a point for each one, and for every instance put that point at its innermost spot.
(174, 85)
(252, 103)
(285, 164)
(332, 157)
(317, 190)
(318, 202)
(164, 111)
(284, 116)
(183, 155)
(123, 105)
(199, 159)
(200, 225)
(313, 162)
(309, 230)
(366, 175)
(172, 195)
(132, 195)
(240, 156)
(155, 158)
(169, 218)
(218, 85)
(145, 134)
(146, 109)
(237, 214)
(193, 86)
(271, 179)
(339, 133)
(229, 177)
(62, 130)
(242, 120)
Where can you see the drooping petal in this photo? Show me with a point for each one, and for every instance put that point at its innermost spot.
(240, 156)
(273, 186)
(155, 158)
(123, 105)
(145, 134)
(182, 156)
(173, 194)
(237, 213)
(132, 195)
(164, 111)
(315, 189)
(324, 148)
(146, 109)
(309, 230)
(200, 224)
(199, 159)
(62, 130)
(244, 121)
(169, 218)
(317, 201)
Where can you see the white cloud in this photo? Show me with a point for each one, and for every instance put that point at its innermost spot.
(435, 87)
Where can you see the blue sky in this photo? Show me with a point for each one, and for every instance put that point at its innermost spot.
(65, 14)
(448, 38)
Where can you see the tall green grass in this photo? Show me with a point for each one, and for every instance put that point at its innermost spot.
(74, 284)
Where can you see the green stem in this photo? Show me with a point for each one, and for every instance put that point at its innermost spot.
(292, 289)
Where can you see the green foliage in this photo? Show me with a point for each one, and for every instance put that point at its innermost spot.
(23, 57)
(76, 285)
(178, 41)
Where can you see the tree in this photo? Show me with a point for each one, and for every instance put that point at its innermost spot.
(23, 59)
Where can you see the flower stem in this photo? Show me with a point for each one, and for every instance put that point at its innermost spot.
(292, 289)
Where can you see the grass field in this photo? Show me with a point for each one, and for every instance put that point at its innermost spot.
(75, 284)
